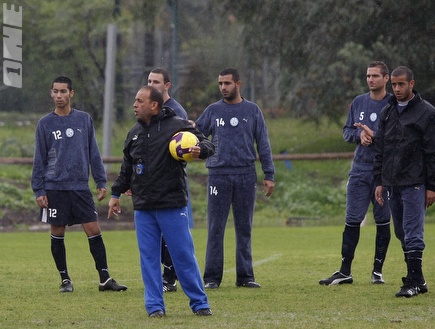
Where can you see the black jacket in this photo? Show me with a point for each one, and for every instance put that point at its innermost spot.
(405, 145)
(155, 178)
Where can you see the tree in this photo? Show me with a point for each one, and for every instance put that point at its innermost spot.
(64, 38)
(305, 58)
(323, 46)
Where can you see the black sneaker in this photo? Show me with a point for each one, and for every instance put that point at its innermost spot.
(168, 287)
(337, 278)
(111, 285)
(157, 314)
(204, 312)
(377, 278)
(211, 285)
(422, 288)
(249, 284)
(407, 290)
(66, 286)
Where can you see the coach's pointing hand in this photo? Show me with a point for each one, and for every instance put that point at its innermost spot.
(114, 207)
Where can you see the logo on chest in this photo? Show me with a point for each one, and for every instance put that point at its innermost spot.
(234, 122)
(69, 133)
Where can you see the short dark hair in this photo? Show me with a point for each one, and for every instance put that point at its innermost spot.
(403, 70)
(381, 65)
(155, 95)
(234, 73)
(63, 79)
(164, 72)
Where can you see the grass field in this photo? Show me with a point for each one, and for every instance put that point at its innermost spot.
(289, 261)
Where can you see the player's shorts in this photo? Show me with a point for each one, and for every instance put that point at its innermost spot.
(69, 208)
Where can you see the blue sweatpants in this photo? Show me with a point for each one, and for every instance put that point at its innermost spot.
(173, 224)
(224, 191)
(360, 193)
(408, 209)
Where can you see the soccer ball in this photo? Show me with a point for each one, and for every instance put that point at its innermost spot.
(180, 144)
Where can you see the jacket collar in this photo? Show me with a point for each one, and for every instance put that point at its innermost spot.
(417, 98)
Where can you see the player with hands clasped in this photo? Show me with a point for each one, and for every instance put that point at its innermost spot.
(404, 165)
(65, 149)
(238, 130)
(159, 193)
(360, 128)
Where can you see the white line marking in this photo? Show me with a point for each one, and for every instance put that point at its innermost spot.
(258, 262)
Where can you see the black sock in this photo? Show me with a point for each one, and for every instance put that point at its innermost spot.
(383, 236)
(415, 272)
(59, 255)
(98, 251)
(168, 268)
(350, 241)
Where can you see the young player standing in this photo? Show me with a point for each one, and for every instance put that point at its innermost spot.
(404, 165)
(364, 112)
(65, 149)
(236, 126)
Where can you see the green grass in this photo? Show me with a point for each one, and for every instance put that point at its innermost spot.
(289, 261)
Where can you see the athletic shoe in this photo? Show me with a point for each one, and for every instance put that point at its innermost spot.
(250, 284)
(407, 290)
(337, 278)
(168, 287)
(66, 286)
(157, 314)
(377, 278)
(111, 284)
(211, 285)
(422, 288)
(204, 312)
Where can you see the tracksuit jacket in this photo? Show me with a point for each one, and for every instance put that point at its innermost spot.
(366, 111)
(65, 150)
(406, 161)
(156, 180)
(235, 147)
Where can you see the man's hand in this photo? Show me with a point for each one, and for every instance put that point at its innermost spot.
(114, 207)
(268, 187)
(430, 198)
(193, 123)
(101, 193)
(195, 151)
(366, 135)
(42, 201)
(378, 195)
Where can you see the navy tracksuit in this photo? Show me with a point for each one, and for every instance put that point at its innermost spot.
(235, 129)
(361, 184)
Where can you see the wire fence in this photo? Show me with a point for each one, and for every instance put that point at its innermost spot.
(276, 157)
